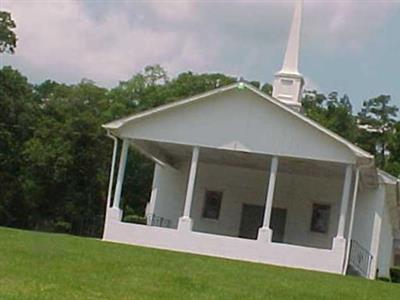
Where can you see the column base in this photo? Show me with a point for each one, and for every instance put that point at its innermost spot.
(265, 234)
(113, 217)
(114, 214)
(339, 244)
(185, 224)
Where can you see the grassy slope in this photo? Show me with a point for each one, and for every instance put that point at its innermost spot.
(50, 266)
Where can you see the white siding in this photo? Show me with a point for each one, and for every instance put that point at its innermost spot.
(367, 221)
(385, 256)
(239, 120)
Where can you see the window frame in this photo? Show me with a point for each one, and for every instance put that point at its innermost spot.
(324, 229)
(206, 204)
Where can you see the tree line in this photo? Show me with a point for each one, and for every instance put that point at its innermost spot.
(55, 157)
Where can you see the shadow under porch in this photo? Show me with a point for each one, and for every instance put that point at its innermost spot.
(230, 191)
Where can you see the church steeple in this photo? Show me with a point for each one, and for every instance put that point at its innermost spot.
(288, 83)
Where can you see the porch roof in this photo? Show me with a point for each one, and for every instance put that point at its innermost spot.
(176, 154)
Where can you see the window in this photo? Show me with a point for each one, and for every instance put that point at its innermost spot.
(287, 81)
(212, 205)
(320, 218)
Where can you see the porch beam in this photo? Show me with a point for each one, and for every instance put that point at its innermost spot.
(345, 202)
(265, 232)
(121, 174)
(185, 222)
(154, 153)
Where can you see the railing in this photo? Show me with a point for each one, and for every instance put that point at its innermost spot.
(154, 220)
(360, 259)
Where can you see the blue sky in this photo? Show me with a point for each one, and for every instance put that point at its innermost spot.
(348, 46)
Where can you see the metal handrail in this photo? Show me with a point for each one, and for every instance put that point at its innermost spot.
(154, 220)
(360, 258)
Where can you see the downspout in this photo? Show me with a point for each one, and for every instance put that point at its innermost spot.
(114, 156)
(353, 207)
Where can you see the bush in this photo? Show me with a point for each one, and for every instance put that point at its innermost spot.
(62, 226)
(386, 279)
(395, 274)
(135, 219)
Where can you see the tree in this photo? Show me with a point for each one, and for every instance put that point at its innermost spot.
(8, 39)
(267, 88)
(17, 116)
(393, 145)
(313, 105)
(339, 116)
(66, 157)
(377, 119)
(331, 112)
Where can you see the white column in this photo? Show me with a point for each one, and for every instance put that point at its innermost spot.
(265, 232)
(121, 174)
(185, 222)
(114, 156)
(345, 202)
(353, 208)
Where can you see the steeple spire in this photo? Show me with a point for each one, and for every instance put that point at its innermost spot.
(291, 62)
(288, 81)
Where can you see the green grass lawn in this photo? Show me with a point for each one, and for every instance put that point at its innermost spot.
(51, 266)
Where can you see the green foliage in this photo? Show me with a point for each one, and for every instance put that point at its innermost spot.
(385, 279)
(135, 219)
(395, 275)
(17, 116)
(62, 227)
(332, 112)
(375, 128)
(393, 146)
(8, 39)
(380, 118)
(267, 88)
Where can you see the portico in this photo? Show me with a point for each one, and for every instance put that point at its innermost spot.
(184, 174)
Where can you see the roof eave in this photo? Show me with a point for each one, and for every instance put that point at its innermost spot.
(358, 152)
(116, 124)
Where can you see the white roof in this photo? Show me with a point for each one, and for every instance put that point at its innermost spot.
(117, 124)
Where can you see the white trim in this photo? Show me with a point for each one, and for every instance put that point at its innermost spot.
(117, 124)
(191, 182)
(345, 202)
(121, 122)
(111, 181)
(325, 260)
(121, 173)
(270, 194)
(353, 208)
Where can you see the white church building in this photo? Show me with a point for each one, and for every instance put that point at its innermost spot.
(243, 175)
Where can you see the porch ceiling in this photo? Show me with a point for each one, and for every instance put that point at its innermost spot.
(175, 154)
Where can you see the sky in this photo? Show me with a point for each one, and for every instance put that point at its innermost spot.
(351, 47)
